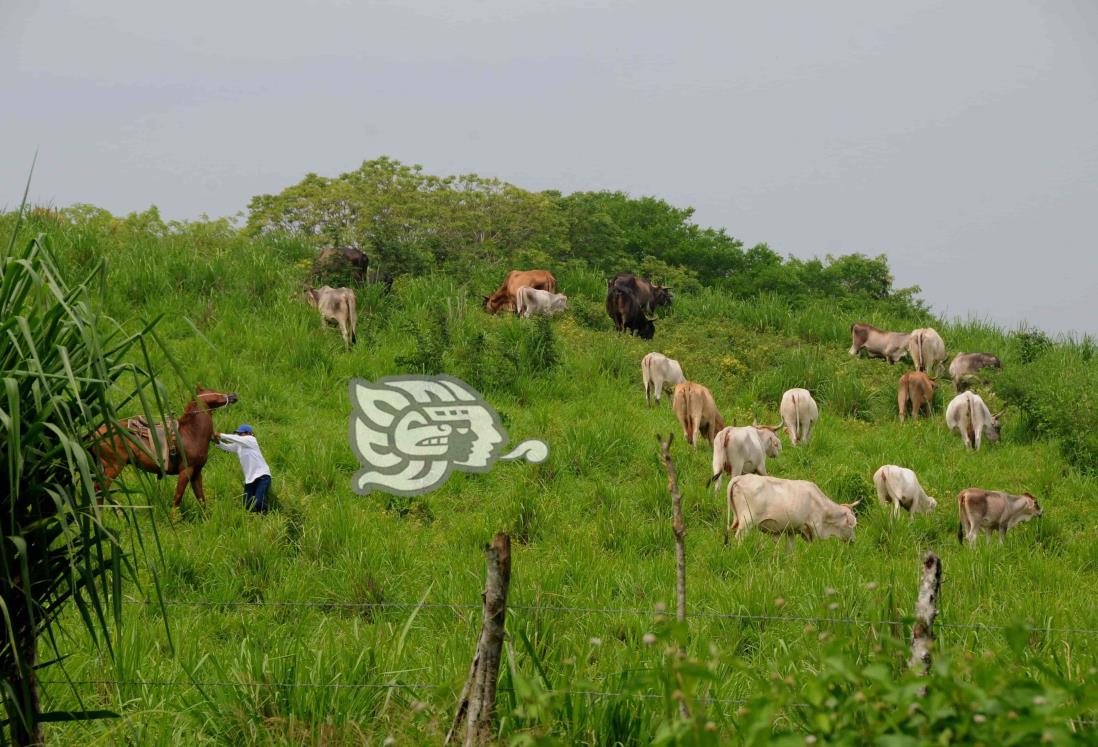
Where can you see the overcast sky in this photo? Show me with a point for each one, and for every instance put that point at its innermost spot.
(958, 138)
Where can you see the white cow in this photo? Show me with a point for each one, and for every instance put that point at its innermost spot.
(968, 416)
(530, 301)
(927, 350)
(900, 487)
(741, 450)
(336, 306)
(799, 413)
(659, 371)
(778, 506)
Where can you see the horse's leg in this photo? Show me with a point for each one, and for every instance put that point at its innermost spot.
(181, 486)
(197, 487)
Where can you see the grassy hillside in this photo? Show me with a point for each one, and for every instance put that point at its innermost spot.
(271, 637)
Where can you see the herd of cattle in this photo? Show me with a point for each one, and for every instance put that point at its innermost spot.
(779, 506)
(754, 499)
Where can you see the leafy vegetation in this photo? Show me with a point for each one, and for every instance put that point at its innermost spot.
(332, 619)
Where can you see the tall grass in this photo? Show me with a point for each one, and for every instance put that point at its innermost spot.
(251, 664)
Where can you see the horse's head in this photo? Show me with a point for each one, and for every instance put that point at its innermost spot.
(214, 400)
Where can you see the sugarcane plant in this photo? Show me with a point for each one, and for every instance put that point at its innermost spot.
(63, 368)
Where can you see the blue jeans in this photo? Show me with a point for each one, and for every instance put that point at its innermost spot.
(255, 494)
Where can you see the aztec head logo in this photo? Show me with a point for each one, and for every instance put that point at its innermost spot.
(410, 432)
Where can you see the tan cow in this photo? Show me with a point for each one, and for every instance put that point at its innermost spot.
(504, 297)
(697, 412)
(918, 389)
(927, 350)
(966, 366)
(336, 306)
(992, 509)
(891, 346)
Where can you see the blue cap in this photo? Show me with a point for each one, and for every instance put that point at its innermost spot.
(244, 428)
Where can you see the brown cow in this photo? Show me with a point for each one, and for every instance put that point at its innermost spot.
(339, 259)
(696, 410)
(878, 343)
(992, 509)
(918, 389)
(504, 298)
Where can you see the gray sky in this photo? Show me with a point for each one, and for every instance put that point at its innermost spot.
(961, 139)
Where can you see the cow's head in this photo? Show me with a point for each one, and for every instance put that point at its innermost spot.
(933, 383)
(1032, 507)
(770, 437)
(661, 296)
(644, 327)
(841, 523)
(994, 426)
(931, 504)
(311, 295)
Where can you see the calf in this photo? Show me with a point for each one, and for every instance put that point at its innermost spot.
(737, 451)
(965, 366)
(891, 346)
(336, 306)
(918, 389)
(659, 371)
(927, 350)
(799, 413)
(992, 509)
(697, 412)
(900, 487)
(778, 506)
(968, 416)
(504, 297)
(530, 301)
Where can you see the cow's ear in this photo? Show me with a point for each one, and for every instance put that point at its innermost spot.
(1031, 496)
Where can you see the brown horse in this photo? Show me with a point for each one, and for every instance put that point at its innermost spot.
(184, 455)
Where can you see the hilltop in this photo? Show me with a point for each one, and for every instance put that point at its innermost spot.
(270, 616)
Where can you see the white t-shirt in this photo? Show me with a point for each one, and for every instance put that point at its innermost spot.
(247, 449)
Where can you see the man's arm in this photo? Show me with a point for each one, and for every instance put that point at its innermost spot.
(228, 442)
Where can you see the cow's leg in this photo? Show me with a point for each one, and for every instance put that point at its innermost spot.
(979, 438)
(808, 431)
(181, 486)
(1002, 533)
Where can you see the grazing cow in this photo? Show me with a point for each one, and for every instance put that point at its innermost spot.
(696, 410)
(900, 487)
(778, 506)
(968, 416)
(877, 343)
(336, 306)
(504, 297)
(647, 294)
(338, 259)
(918, 389)
(992, 509)
(927, 350)
(628, 315)
(742, 450)
(799, 413)
(530, 301)
(965, 366)
(659, 371)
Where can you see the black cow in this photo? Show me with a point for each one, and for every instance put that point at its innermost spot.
(341, 259)
(628, 314)
(647, 294)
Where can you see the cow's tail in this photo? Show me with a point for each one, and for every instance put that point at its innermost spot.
(646, 374)
(797, 409)
(719, 456)
(353, 318)
(962, 513)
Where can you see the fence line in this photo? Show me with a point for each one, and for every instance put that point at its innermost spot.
(606, 611)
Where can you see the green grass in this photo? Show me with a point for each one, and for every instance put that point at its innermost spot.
(591, 527)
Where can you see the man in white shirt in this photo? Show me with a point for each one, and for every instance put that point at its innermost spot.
(257, 475)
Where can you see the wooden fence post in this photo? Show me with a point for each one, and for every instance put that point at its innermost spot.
(926, 609)
(680, 544)
(477, 704)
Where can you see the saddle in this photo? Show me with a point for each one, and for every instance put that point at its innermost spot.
(142, 430)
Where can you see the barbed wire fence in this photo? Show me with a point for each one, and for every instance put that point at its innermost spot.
(920, 627)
